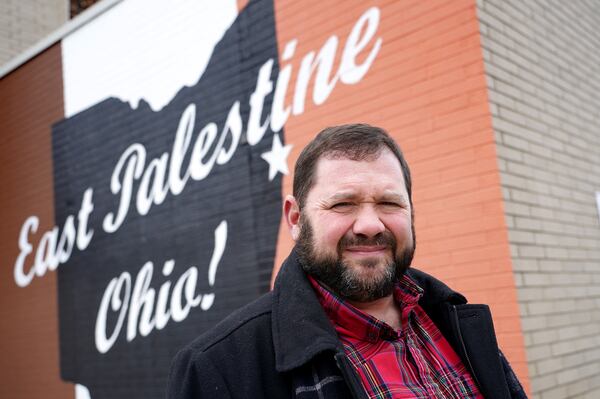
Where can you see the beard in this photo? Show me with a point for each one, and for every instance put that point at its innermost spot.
(345, 280)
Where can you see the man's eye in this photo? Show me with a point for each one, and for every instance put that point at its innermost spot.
(342, 205)
(391, 204)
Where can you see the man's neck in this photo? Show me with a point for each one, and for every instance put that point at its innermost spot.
(384, 309)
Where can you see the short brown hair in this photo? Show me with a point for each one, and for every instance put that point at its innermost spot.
(357, 142)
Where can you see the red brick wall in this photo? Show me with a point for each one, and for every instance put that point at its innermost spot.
(31, 101)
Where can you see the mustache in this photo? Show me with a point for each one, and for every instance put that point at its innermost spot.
(385, 238)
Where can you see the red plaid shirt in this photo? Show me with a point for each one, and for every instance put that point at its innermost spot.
(415, 362)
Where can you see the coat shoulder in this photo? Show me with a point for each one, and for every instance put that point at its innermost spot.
(210, 365)
(254, 315)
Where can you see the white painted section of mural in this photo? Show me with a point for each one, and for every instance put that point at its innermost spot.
(81, 392)
(122, 55)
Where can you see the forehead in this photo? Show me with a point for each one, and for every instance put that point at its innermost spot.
(371, 176)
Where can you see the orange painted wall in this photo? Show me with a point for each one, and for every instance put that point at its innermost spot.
(427, 88)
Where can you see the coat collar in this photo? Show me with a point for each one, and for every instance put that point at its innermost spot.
(300, 327)
(434, 291)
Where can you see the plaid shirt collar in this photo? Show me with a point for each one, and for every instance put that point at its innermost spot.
(357, 324)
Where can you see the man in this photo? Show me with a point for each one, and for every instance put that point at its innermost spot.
(347, 317)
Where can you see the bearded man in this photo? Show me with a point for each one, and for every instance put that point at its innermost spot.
(347, 317)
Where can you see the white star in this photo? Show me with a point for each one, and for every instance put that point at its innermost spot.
(277, 157)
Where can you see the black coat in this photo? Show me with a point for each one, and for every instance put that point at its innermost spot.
(283, 346)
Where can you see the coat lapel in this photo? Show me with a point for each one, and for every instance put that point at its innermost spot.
(301, 329)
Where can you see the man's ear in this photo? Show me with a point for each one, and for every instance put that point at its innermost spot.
(291, 213)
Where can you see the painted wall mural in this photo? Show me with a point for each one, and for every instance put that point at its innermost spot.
(142, 267)
(165, 143)
(156, 192)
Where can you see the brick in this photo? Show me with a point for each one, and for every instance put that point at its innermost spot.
(547, 239)
(524, 265)
(518, 143)
(567, 376)
(509, 90)
(542, 383)
(592, 394)
(513, 208)
(518, 280)
(538, 352)
(547, 366)
(530, 251)
(548, 307)
(525, 196)
(568, 332)
(528, 224)
(522, 237)
(556, 253)
(511, 154)
(544, 337)
(557, 320)
(519, 168)
(536, 279)
(527, 294)
(559, 392)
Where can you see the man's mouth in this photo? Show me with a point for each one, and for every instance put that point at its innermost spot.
(367, 250)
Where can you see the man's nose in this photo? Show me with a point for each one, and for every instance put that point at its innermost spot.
(367, 222)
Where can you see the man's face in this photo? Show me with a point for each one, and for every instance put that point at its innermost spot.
(356, 234)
